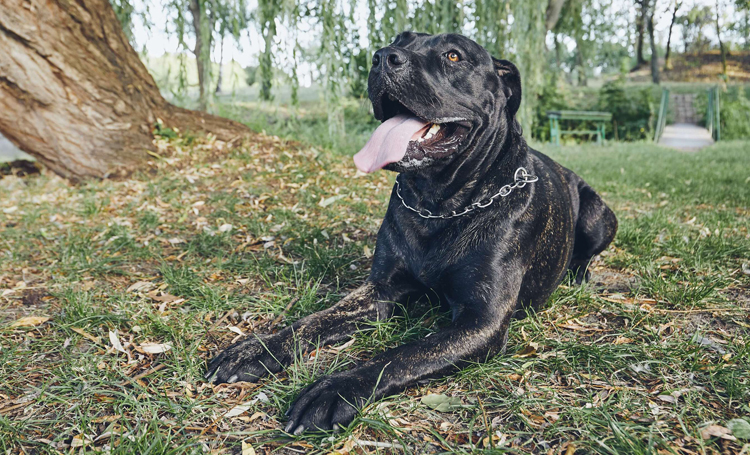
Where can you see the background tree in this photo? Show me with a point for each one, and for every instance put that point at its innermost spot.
(743, 6)
(721, 42)
(677, 4)
(222, 32)
(553, 13)
(640, 27)
(652, 40)
(693, 24)
(207, 19)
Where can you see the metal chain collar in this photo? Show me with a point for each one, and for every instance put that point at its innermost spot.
(521, 178)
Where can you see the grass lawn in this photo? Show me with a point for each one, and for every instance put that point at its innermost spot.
(136, 283)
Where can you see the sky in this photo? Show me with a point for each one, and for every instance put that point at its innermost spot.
(156, 41)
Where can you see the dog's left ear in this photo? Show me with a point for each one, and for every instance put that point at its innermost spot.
(511, 79)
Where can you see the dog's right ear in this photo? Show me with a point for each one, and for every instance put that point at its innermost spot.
(511, 83)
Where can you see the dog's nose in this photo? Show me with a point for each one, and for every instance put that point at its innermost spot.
(390, 59)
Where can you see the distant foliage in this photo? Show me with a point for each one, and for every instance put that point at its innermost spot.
(631, 112)
(359, 70)
(735, 116)
(251, 74)
(553, 98)
(734, 112)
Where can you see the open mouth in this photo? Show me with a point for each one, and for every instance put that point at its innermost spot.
(437, 138)
(406, 136)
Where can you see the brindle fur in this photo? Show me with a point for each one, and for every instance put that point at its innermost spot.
(487, 266)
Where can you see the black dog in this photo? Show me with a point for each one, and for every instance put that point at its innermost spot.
(476, 218)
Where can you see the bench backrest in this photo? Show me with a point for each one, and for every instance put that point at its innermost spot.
(580, 115)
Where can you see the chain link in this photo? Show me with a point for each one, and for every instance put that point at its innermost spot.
(521, 178)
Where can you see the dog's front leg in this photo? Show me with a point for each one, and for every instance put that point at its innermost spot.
(476, 334)
(255, 357)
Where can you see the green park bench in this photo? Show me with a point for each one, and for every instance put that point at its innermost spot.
(599, 118)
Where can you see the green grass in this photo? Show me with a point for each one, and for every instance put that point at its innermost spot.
(655, 348)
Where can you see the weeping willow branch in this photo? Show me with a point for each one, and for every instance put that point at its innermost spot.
(331, 17)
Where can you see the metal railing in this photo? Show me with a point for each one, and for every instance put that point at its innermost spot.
(661, 120)
(713, 116)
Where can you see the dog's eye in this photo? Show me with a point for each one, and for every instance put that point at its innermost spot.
(375, 60)
(453, 56)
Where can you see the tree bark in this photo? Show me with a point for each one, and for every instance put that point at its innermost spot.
(265, 64)
(553, 13)
(677, 6)
(654, 52)
(221, 65)
(75, 95)
(583, 79)
(640, 25)
(202, 27)
(721, 43)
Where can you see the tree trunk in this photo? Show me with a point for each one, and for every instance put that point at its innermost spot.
(202, 27)
(558, 52)
(721, 44)
(640, 25)
(75, 95)
(667, 65)
(583, 80)
(654, 52)
(553, 13)
(221, 64)
(265, 63)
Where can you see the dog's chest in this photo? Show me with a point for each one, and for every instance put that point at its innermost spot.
(435, 248)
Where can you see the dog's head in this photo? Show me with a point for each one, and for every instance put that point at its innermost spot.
(437, 97)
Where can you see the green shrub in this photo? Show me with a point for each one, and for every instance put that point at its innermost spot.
(735, 116)
(734, 112)
(552, 98)
(631, 112)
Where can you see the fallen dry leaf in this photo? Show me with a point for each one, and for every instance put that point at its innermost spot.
(86, 335)
(164, 297)
(328, 201)
(717, 431)
(528, 351)
(113, 338)
(239, 409)
(247, 449)
(441, 402)
(30, 321)
(139, 286)
(154, 348)
(343, 346)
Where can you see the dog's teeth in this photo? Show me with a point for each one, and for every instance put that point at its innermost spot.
(431, 132)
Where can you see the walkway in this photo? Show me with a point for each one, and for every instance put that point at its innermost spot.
(685, 134)
(686, 137)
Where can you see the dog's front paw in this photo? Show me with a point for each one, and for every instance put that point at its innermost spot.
(251, 359)
(329, 403)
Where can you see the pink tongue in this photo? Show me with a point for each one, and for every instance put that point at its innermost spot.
(389, 142)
